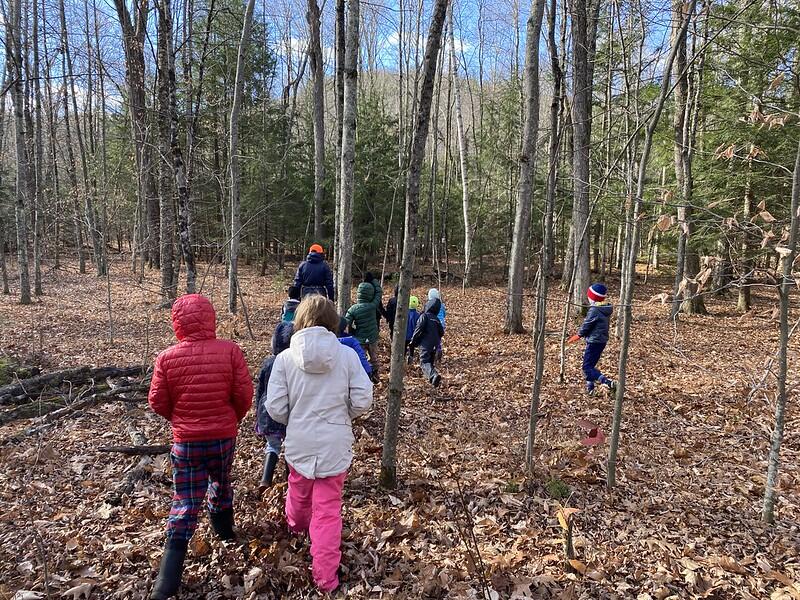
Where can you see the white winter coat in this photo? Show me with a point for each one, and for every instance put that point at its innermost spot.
(316, 388)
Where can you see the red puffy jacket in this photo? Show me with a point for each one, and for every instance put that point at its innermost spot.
(201, 385)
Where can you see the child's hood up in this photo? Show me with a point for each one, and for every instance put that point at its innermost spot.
(314, 349)
(194, 318)
(604, 308)
(432, 306)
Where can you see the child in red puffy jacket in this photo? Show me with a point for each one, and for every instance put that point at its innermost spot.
(203, 388)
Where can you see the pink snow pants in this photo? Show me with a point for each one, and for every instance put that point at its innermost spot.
(315, 505)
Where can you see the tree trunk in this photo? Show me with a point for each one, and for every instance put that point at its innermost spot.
(318, 91)
(462, 155)
(388, 476)
(38, 204)
(166, 173)
(626, 295)
(233, 267)
(527, 171)
(340, 53)
(540, 324)
(744, 303)
(348, 158)
(787, 283)
(23, 198)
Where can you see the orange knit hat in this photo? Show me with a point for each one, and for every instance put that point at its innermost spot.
(316, 248)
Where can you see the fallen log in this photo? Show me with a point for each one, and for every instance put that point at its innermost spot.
(15, 392)
(148, 450)
(50, 418)
(140, 472)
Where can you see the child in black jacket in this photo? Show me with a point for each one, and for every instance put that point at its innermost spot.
(427, 337)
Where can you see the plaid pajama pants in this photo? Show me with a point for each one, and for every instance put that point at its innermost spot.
(199, 469)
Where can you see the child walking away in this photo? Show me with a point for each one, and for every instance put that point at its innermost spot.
(595, 331)
(428, 337)
(361, 318)
(317, 388)
(291, 304)
(351, 342)
(434, 293)
(267, 427)
(202, 387)
(391, 311)
(413, 317)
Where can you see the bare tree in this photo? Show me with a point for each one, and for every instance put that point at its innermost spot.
(527, 169)
(626, 297)
(13, 22)
(344, 259)
(233, 267)
(462, 154)
(318, 92)
(788, 254)
(388, 476)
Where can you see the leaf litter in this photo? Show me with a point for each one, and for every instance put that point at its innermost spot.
(465, 521)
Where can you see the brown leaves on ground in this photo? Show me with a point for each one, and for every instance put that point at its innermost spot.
(465, 521)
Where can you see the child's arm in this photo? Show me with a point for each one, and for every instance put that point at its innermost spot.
(348, 316)
(242, 384)
(360, 399)
(298, 276)
(419, 331)
(159, 398)
(377, 299)
(277, 400)
(588, 323)
(329, 285)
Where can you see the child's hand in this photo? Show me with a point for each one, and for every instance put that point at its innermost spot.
(573, 339)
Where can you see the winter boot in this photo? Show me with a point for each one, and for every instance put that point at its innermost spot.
(436, 380)
(590, 388)
(171, 570)
(269, 469)
(222, 523)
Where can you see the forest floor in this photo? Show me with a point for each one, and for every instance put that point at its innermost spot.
(683, 521)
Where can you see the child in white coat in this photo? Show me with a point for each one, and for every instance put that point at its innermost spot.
(317, 388)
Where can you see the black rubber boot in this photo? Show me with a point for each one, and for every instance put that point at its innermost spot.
(171, 570)
(222, 523)
(269, 469)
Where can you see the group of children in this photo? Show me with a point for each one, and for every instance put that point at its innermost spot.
(316, 381)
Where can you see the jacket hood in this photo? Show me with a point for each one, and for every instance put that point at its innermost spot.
(432, 306)
(314, 349)
(282, 337)
(434, 293)
(315, 257)
(604, 308)
(194, 318)
(365, 292)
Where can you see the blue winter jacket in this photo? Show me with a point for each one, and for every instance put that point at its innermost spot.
(352, 342)
(595, 327)
(413, 317)
(429, 330)
(266, 425)
(314, 276)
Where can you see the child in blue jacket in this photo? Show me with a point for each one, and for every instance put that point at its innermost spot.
(595, 331)
(413, 317)
(291, 304)
(266, 427)
(428, 336)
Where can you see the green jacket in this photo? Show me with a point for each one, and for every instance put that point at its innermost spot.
(362, 316)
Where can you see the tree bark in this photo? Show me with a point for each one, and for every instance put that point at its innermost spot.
(626, 296)
(388, 476)
(38, 204)
(462, 155)
(318, 92)
(540, 324)
(787, 283)
(13, 20)
(348, 158)
(527, 171)
(233, 267)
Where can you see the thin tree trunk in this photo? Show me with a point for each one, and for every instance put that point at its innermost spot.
(13, 20)
(462, 155)
(787, 283)
(388, 476)
(339, 83)
(233, 268)
(38, 204)
(540, 324)
(626, 296)
(527, 171)
(348, 158)
(318, 91)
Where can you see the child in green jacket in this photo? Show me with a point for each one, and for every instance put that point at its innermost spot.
(362, 321)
